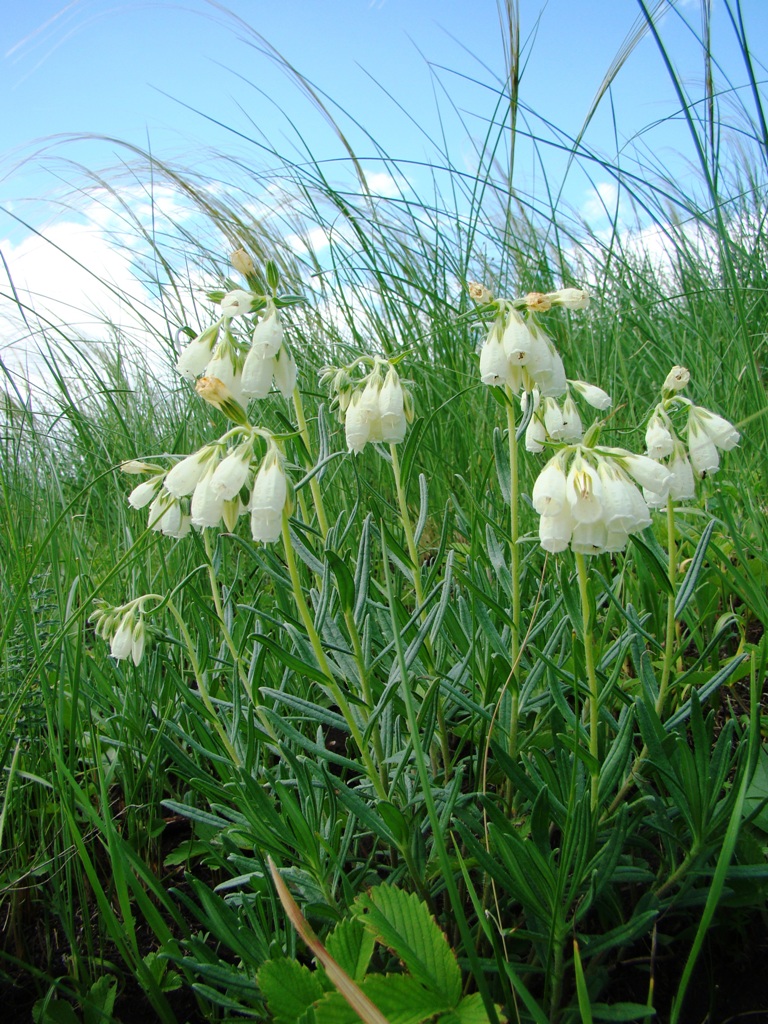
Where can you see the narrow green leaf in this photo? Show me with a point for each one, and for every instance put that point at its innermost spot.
(345, 582)
(687, 587)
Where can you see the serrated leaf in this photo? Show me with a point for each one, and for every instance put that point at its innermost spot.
(403, 922)
(289, 988)
(351, 946)
(399, 996)
(471, 1009)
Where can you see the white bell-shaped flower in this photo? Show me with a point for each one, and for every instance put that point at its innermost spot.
(230, 475)
(207, 505)
(702, 450)
(683, 485)
(268, 334)
(583, 491)
(166, 516)
(285, 372)
(648, 473)
(719, 430)
(357, 424)
(122, 639)
(138, 640)
(197, 354)
(554, 422)
(589, 538)
(184, 477)
(592, 394)
(549, 489)
(144, 492)
(659, 441)
(494, 368)
(677, 378)
(392, 409)
(572, 429)
(258, 370)
(517, 340)
(555, 531)
(268, 500)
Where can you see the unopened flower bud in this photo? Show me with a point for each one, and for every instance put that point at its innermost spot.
(133, 467)
(242, 262)
(569, 298)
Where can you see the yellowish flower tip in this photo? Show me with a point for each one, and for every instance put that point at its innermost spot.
(677, 378)
(479, 293)
(242, 262)
(537, 302)
(217, 394)
(570, 298)
(134, 468)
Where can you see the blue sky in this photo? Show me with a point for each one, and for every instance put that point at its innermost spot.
(159, 74)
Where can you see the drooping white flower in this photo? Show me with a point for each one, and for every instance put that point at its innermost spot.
(197, 354)
(166, 516)
(122, 639)
(268, 500)
(589, 538)
(624, 510)
(535, 435)
(592, 394)
(392, 409)
(142, 494)
(719, 430)
(207, 504)
(236, 303)
(549, 497)
(659, 441)
(572, 430)
(184, 477)
(232, 472)
(227, 367)
(517, 340)
(648, 473)
(554, 423)
(683, 485)
(583, 491)
(357, 424)
(702, 450)
(494, 368)
(268, 334)
(258, 370)
(285, 372)
(555, 531)
(138, 640)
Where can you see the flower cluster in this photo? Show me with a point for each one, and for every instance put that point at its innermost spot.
(518, 354)
(551, 421)
(374, 408)
(246, 372)
(219, 483)
(706, 434)
(588, 498)
(124, 628)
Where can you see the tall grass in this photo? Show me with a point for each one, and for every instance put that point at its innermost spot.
(141, 804)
